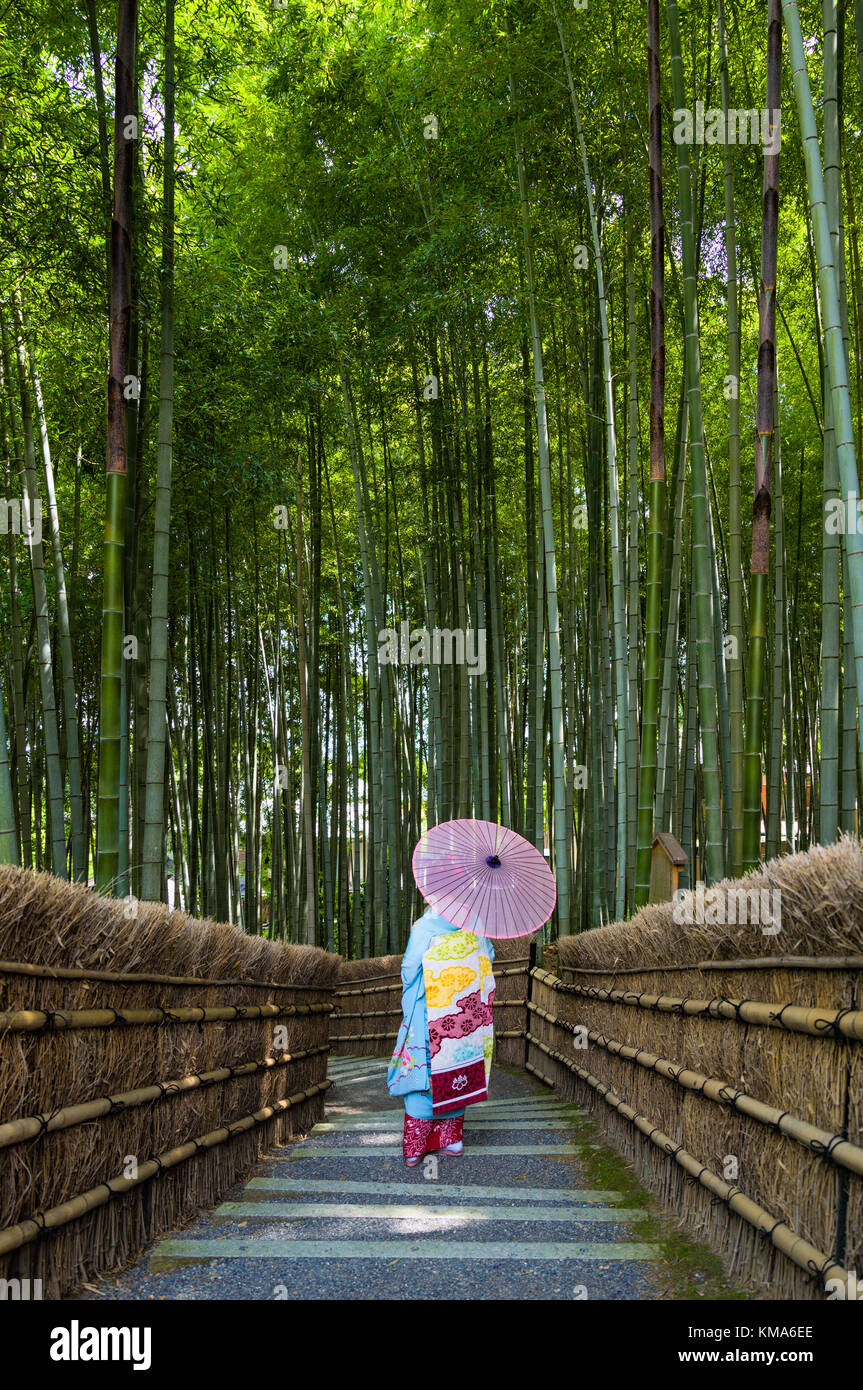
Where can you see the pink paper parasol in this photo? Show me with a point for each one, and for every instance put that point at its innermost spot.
(484, 878)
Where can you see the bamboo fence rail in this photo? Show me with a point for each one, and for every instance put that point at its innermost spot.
(805, 1256)
(834, 1147)
(62, 1020)
(33, 1126)
(218, 1082)
(753, 963)
(847, 1022)
(14, 1237)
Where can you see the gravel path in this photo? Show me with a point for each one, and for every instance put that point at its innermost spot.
(339, 1216)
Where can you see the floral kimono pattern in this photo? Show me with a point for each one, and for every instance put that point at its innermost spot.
(410, 1073)
(459, 990)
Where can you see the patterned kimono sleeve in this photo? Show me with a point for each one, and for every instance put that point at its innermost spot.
(488, 987)
(408, 1068)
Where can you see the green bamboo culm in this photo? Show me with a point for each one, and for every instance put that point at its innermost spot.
(755, 673)
(64, 636)
(714, 855)
(831, 670)
(832, 329)
(650, 706)
(562, 837)
(617, 590)
(111, 701)
(152, 887)
(8, 838)
(735, 566)
(111, 730)
(653, 614)
(53, 766)
(764, 430)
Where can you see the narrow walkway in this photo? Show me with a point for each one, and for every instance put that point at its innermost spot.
(338, 1216)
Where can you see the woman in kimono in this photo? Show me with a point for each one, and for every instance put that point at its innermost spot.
(442, 1057)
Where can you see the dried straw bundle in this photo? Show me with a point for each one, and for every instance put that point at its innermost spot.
(48, 923)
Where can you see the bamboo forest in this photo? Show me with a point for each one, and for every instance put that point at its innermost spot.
(415, 411)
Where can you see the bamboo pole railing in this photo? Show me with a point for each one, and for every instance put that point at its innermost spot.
(31, 1229)
(795, 1248)
(834, 1148)
(61, 1020)
(368, 989)
(847, 1023)
(34, 1126)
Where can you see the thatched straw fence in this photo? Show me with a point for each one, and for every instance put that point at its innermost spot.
(141, 1073)
(727, 1064)
(368, 1010)
(368, 1007)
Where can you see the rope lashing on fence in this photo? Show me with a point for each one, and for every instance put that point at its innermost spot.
(754, 963)
(833, 1147)
(793, 1018)
(66, 1117)
(62, 972)
(813, 1261)
(56, 1020)
(29, 1230)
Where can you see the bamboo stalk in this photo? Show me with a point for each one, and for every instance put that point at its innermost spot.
(832, 326)
(736, 663)
(765, 430)
(111, 730)
(157, 728)
(653, 613)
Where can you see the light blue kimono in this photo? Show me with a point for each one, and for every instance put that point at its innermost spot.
(409, 1073)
